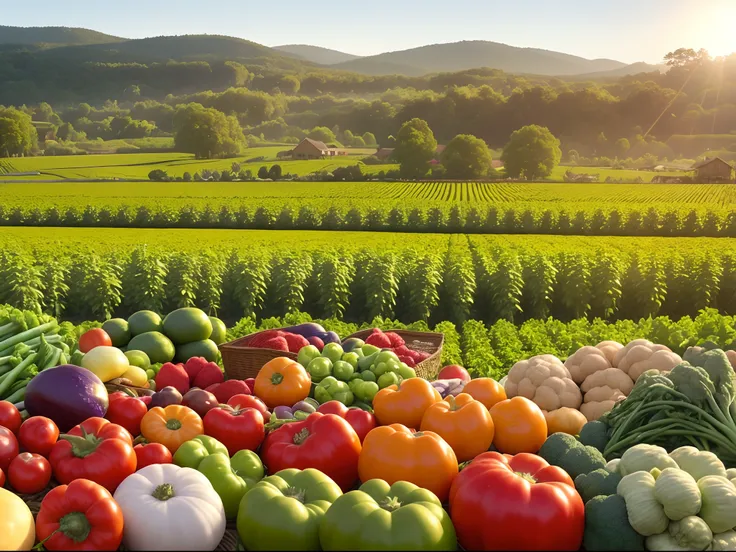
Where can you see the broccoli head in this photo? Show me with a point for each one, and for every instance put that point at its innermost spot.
(595, 434)
(563, 450)
(600, 482)
(692, 381)
(556, 446)
(607, 526)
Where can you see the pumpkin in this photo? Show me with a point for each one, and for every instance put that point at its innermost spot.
(520, 426)
(405, 403)
(396, 453)
(282, 382)
(486, 390)
(170, 508)
(463, 422)
(171, 426)
(564, 420)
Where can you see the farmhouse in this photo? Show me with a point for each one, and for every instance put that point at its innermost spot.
(713, 170)
(314, 149)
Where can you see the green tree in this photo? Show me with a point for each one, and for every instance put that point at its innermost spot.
(369, 138)
(206, 132)
(322, 134)
(532, 152)
(263, 172)
(466, 157)
(415, 148)
(357, 142)
(347, 137)
(274, 172)
(18, 138)
(289, 84)
(622, 147)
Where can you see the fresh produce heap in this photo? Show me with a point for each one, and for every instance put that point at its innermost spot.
(292, 339)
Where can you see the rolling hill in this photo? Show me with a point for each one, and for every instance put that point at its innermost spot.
(53, 36)
(316, 54)
(459, 56)
(633, 69)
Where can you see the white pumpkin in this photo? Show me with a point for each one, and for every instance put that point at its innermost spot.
(170, 508)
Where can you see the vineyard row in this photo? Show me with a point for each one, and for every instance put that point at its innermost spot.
(470, 277)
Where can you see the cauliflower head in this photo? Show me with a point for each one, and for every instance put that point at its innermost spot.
(544, 380)
(586, 361)
(641, 355)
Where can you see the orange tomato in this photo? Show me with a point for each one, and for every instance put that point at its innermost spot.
(405, 403)
(282, 382)
(564, 420)
(396, 453)
(171, 426)
(486, 390)
(520, 426)
(463, 422)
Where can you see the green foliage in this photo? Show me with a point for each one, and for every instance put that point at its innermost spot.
(466, 157)
(206, 132)
(415, 148)
(532, 152)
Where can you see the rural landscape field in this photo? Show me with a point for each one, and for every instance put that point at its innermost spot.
(438, 293)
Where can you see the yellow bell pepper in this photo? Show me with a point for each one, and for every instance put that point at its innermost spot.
(137, 376)
(17, 528)
(107, 363)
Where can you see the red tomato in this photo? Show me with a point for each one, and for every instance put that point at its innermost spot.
(504, 502)
(127, 412)
(2, 478)
(453, 371)
(9, 416)
(8, 447)
(101, 428)
(236, 429)
(95, 337)
(238, 402)
(251, 383)
(29, 473)
(152, 453)
(38, 434)
(360, 420)
(322, 441)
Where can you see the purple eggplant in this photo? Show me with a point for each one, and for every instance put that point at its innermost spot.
(166, 396)
(66, 394)
(283, 413)
(307, 329)
(331, 337)
(449, 387)
(303, 406)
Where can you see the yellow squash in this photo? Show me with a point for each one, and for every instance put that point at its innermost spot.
(17, 528)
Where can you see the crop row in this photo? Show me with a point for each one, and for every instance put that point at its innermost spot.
(432, 279)
(324, 214)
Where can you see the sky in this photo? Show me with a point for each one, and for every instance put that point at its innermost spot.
(625, 30)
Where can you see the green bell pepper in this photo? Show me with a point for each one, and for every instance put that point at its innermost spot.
(368, 376)
(343, 370)
(332, 389)
(352, 359)
(191, 453)
(230, 486)
(389, 378)
(380, 516)
(366, 391)
(406, 372)
(284, 511)
(247, 464)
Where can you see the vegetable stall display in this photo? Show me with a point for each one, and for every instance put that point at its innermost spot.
(304, 456)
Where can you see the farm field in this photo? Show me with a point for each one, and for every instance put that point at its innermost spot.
(94, 273)
(597, 209)
(138, 165)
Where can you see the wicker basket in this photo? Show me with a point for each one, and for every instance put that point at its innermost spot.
(243, 362)
(426, 342)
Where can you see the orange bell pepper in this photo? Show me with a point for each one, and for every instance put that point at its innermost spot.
(520, 426)
(486, 390)
(463, 422)
(396, 453)
(405, 403)
(171, 426)
(282, 382)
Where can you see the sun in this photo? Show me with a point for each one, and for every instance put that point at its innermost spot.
(716, 30)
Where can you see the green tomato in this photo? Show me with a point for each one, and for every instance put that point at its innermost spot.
(333, 351)
(352, 359)
(150, 374)
(380, 516)
(368, 350)
(393, 366)
(306, 354)
(406, 372)
(389, 378)
(342, 370)
(355, 375)
(380, 368)
(319, 368)
(367, 391)
(355, 385)
(191, 453)
(331, 388)
(284, 511)
(386, 356)
(368, 376)
(230, 486)
(247, 464)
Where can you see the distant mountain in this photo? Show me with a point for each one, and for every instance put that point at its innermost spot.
(316, 54)
(459, 56)
(633, 69)
(53, 36)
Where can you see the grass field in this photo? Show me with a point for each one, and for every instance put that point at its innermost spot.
(138, 165)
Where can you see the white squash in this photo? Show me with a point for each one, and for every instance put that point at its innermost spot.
(170, 508)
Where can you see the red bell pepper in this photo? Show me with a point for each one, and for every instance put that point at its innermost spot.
(361, 420)
(80, 516)
(151, 453)
(251, 383)
(236, 429)
(229, 388)
(127, 412)
(239, 402)
(323, 441)
(96, 450)
(504, 502)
